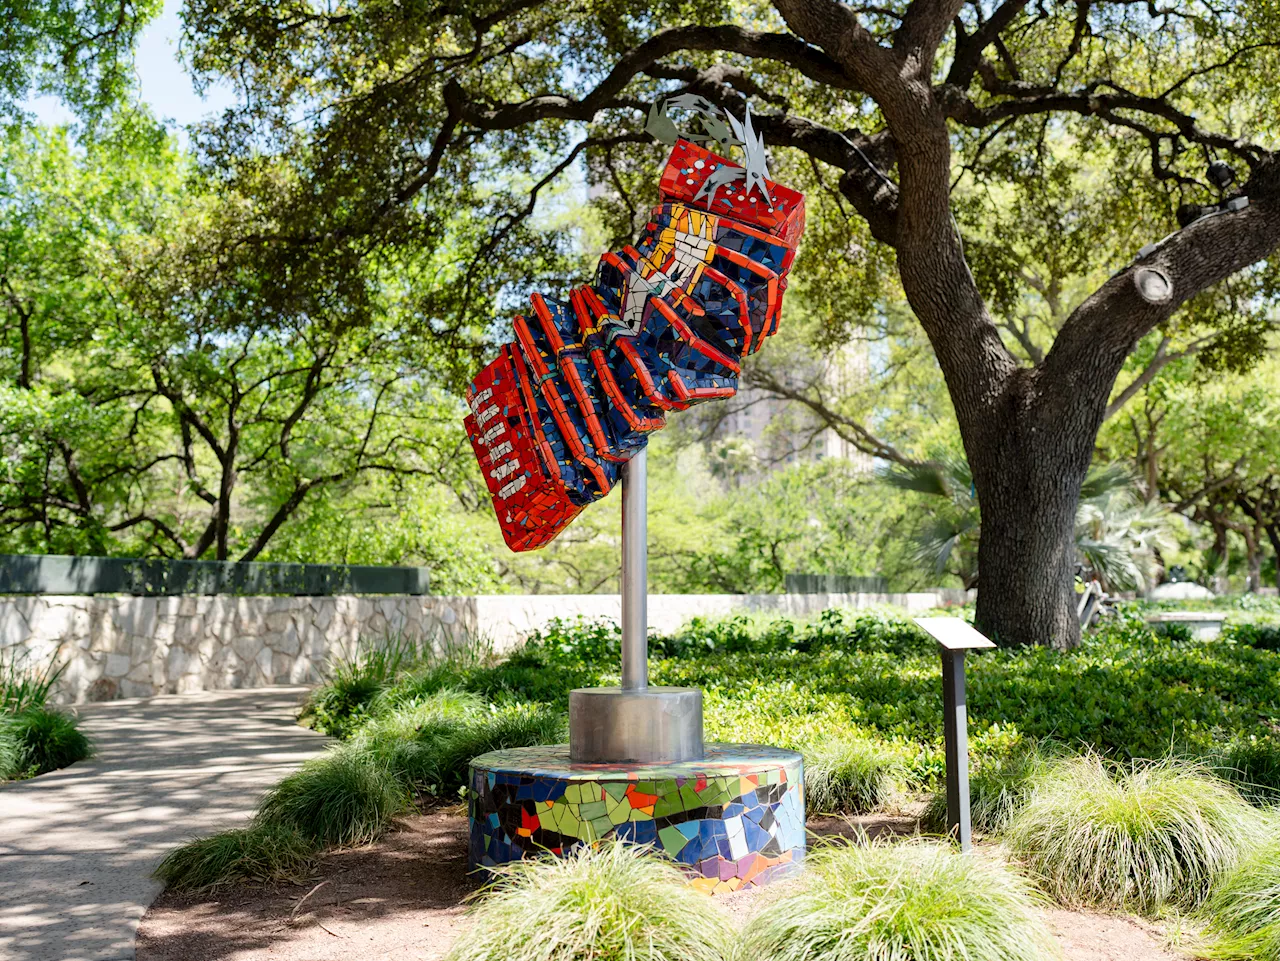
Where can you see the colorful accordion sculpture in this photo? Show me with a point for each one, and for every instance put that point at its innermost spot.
(665, 326)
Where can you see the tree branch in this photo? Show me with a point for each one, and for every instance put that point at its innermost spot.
(845, 428)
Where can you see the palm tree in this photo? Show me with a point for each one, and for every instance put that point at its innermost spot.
(947, 541)
(1117, 535)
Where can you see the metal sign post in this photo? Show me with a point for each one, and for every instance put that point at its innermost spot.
(954, 638)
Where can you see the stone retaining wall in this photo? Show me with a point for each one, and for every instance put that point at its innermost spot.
(116, 646)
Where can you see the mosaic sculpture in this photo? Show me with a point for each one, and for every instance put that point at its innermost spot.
(666, 325)
(734, 819)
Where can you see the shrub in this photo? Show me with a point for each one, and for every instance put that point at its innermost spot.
(262, 852)
(849, 775)
(865, 630)
(1265, 637)
(39, 740)
(899, 902)
(1174, 632)
(339, 706)
(868, 674)
(512, 725)
(576, 640)
(24, 686)
(339, 798)
(996, 793)
(1243, 913)
(612, 902)
(1139, 837)
(344, 701)
(1252, 764)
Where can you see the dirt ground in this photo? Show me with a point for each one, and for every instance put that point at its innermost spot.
(403, 898)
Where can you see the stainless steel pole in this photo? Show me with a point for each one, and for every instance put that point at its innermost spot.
(635, 572)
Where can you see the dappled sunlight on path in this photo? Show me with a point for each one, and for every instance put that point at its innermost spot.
(77, 846)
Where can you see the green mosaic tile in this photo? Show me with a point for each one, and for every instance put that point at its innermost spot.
(667, 787)
(552, 817)
(616, 789)
(647, 787)
(667, 805)
(573, 794)
(689, 798)
(596, 809)
(672, 840)
(715, 796)
(566, 821)
(611, 801)
(619, 813)
(637, 815)
(602, 826)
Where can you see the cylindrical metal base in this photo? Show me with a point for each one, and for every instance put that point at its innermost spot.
(610, 725)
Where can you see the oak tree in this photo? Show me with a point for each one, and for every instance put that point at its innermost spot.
(391, 116)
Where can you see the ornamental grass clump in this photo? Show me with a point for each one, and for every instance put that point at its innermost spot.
(1138, 837)
(849, 776)
(38, 740)
(901, 901)
(1252, 764)
(506, 726)
(996, 792)
(1243, 912)
(406, 740)
(342, 797)
(354, 683)
(263, 852)
(34, 738)
(609, 902)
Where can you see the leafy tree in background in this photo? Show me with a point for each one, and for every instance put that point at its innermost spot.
(62, 217)
(1208, 446)
(1106, 111)
(1117, 539)
(153, 400)
(716, 530)
(79, 51)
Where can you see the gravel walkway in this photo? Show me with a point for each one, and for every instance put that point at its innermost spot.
(77, 846)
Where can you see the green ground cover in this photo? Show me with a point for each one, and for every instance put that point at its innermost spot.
(872, 678)
(1132, 773)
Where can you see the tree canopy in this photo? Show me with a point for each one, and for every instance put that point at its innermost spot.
(1027, 204)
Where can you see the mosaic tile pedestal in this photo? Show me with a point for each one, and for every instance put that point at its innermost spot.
(733, 819)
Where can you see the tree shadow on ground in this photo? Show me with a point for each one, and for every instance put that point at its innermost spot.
(403, 896)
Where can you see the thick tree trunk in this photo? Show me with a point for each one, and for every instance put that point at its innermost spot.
(1253, 555)
(1026, 565)
(1028, 483)
(1221, 550)
(1273, 535)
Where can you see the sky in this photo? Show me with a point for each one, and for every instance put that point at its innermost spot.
(161, 79)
